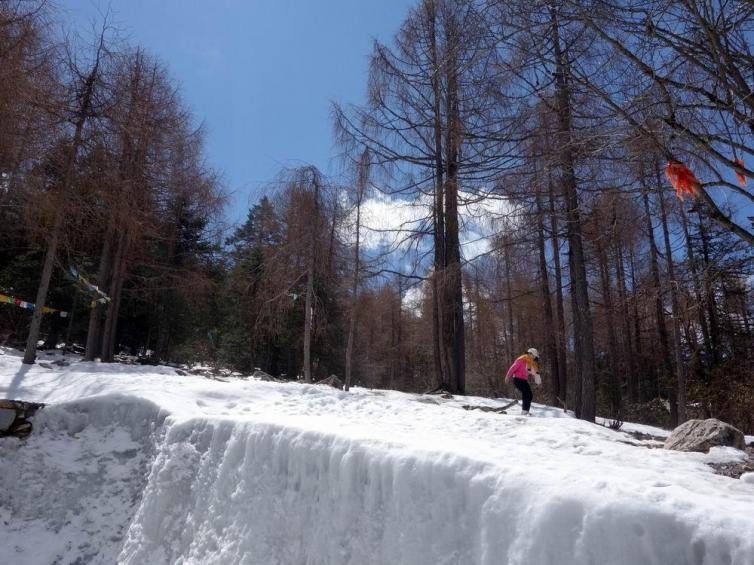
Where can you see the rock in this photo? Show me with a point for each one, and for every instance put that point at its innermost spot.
(700, 435)
(439, 392)
(333, 381)
(21, 407)
(7, 416)
(20, 428)
(14, 416)
(262, 376)
(484, 408)
(427, 400)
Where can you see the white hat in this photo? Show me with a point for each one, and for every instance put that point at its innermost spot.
(533, 352)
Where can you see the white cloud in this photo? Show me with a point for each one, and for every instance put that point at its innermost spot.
(413, 298)
(389, 221)
(392, 222)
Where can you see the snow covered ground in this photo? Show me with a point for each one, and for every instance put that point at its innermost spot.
(140, 465)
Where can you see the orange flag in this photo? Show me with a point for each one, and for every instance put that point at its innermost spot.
(682, 179)
(739, 175)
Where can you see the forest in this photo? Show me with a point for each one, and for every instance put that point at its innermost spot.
(574, 176)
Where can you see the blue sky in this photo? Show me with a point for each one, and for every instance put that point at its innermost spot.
(260, 74)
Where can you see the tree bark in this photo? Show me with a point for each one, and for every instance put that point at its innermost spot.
(709, 292)
(311, 259)
(680, 368)
(614, 390)
(560, 309)
(544, 284)
(438, 345)
(94, 333)
(361, 185)
(510, 342)
(633, 389)
(113, 308)
(454, 322)
(82, 115)
(582, 317)
(662, 331)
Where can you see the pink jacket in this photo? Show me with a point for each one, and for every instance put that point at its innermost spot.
(522, 366)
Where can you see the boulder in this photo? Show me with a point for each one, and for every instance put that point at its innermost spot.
(333, 381)
(498, 410)
(701, 435)
(7, 417)
(14, 417)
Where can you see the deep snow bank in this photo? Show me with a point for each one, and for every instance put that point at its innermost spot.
(139, 465)
(67, 494)
(268, 494)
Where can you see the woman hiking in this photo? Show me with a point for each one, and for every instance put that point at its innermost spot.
(523, 367)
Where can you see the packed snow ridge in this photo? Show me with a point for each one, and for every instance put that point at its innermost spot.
(133, 464)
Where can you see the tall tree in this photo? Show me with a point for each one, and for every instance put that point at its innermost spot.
(362, 182)
(85, 86)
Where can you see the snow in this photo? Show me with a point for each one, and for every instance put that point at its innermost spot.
(640, 428)
(134, 464)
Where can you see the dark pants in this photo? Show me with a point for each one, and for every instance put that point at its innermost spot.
(526, 393)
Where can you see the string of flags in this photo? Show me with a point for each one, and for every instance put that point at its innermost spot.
(5, 299)
(103, 298)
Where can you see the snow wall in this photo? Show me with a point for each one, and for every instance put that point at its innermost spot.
(114, 479)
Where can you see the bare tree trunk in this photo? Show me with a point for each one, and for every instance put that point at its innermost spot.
(614, 393)
(550, 346)
(637, 319)
(560, 309)
(510, 341)
(582, 317)
(308, 320)
(399, 346)
(680, 370)
(309, 314)
(454, 281)
(633, 395)
(693, 269)
(30, 353)
(113, 309)
(662, 330)
(83, 112)
(438, 345)
(93, 335)
(709, 292)
(361, 185)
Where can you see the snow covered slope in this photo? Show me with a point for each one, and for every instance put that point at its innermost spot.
(141, 465)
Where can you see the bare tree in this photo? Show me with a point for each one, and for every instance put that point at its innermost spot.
(362, 182)
(85, 85)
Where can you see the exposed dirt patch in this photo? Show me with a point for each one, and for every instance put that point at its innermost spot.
(735, 470)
